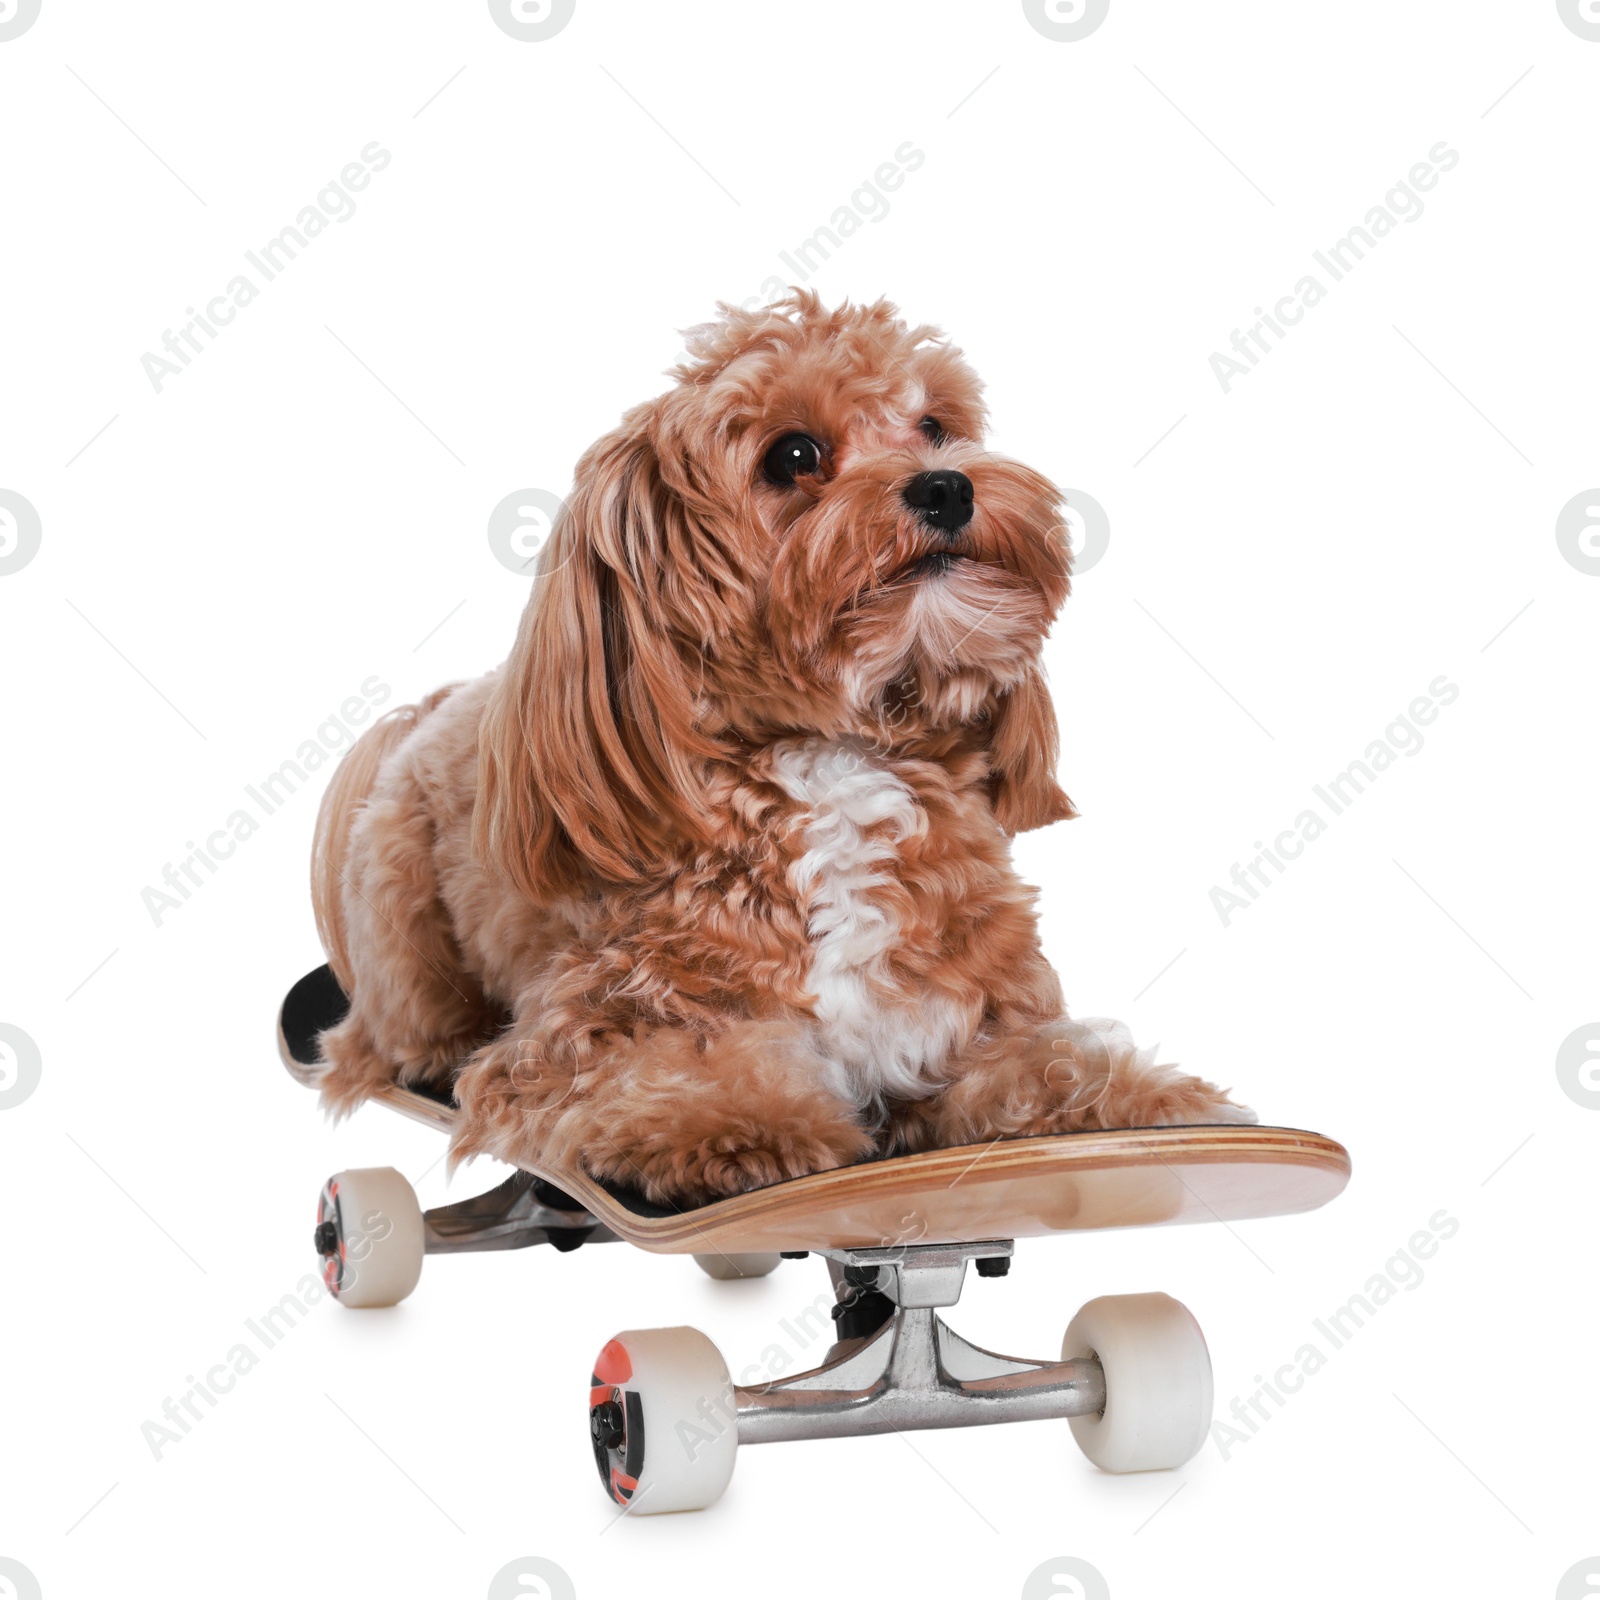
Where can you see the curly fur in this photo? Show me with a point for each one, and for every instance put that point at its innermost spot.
(710, 884)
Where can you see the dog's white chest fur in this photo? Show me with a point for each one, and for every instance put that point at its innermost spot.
(878, 1041)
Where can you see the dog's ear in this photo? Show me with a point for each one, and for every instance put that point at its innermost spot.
(587, 759)
(1023, 747)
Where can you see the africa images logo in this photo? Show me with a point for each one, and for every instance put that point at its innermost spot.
(16, 17)
(532, 21)
(20, 532)
(1065, 21)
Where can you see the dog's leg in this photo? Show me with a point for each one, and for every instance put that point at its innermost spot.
(1062, 1077)
(669, 1113)
(415, 1015)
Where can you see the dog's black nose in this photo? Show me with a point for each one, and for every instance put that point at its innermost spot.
(942, 499)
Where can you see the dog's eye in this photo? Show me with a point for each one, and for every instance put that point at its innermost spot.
(795, 455)
(932, 429)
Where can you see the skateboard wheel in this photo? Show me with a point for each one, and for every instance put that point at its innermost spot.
(370, 1236)
(663, 1420)
(756, 1264)
(1158, 1381)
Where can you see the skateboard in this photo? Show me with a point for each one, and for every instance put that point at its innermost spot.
(665, 1418)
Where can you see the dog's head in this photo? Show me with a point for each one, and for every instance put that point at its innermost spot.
(804, 535)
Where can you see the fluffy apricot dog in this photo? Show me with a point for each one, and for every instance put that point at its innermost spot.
(710, 884)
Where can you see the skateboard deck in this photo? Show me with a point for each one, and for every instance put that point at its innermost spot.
(1004, 1189)
(666, 1419)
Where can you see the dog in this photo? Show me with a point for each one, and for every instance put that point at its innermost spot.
(709, 885)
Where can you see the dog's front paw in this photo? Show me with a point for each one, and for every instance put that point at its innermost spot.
(1226, 1110)
(1105, 1081)
(1186, 1100)
(733, 1161)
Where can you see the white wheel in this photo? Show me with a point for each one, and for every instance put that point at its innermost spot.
(756, 1264)
(1158, 1381)
(369, 1235)
(662, 1420)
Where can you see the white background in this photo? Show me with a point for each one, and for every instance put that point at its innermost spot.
(1373, 506)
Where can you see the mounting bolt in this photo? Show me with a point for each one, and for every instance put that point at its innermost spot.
(606, 1425)
(993, 1266)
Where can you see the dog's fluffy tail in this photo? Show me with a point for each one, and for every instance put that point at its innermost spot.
(351, 788)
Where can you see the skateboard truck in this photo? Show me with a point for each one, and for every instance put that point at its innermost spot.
(372, 1235)
(916, 1371)
(522, 1211)
(1133, 1380)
